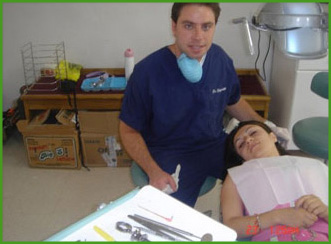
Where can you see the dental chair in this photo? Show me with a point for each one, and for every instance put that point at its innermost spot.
(311, 134)
(140, 178)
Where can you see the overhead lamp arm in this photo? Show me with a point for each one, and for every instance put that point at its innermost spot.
(246, 24)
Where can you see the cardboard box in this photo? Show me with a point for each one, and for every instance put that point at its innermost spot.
(50, 145)
(65, 117)
(101, 141)
(104, 150)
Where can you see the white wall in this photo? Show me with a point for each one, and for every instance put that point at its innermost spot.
(96, 34)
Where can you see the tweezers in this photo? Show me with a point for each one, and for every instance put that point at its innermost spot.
(159, 228)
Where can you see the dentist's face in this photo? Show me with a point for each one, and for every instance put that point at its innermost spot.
(194, 30)
(252, 141)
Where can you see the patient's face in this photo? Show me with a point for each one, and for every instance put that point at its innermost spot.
(252, 141)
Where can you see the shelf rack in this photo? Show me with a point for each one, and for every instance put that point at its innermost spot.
(41, 65)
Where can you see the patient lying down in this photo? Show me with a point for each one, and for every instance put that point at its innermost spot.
(269, 196)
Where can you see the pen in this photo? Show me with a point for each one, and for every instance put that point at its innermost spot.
(102, 233)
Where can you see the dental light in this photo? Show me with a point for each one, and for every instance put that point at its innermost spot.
(300, 30)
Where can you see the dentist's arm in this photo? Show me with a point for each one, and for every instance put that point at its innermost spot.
(242, 111)
(137, 149)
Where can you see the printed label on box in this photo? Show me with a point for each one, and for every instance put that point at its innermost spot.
(110, 156)
(51, 151)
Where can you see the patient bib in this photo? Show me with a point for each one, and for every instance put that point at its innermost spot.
(265, 183)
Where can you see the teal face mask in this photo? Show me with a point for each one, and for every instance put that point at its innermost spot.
(190, 68)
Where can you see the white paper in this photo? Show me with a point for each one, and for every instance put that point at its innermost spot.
(265, 183)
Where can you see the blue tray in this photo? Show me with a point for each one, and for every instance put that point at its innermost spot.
(111, 83)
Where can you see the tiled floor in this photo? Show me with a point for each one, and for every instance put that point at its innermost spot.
(38, 203)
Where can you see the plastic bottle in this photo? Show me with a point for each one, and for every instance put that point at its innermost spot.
(129, 63)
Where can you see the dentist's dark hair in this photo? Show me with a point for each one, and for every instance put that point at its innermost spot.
(177, 7)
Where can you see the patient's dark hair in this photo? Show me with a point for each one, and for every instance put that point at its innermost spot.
(232, 158)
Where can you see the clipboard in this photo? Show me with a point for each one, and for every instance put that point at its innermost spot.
(150, 203)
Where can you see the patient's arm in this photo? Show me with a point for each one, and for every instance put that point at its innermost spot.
(313, 205)
(233, 209)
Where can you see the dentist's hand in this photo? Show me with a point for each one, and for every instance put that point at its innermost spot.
(168, 189)
(283, 135)
(162, 180)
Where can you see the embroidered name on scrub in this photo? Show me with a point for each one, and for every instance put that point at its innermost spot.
(218, 90)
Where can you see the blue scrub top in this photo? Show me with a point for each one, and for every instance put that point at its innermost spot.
(180, 121)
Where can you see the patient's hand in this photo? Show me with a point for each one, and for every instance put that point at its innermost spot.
(305, 213)
(313, 205)
(296, 217)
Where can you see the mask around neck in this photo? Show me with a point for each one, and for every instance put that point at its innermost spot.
(190, 68)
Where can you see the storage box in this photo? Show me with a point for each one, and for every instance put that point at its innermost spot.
(50, 145)
(101, 141)
(104, 150)
(66, 117)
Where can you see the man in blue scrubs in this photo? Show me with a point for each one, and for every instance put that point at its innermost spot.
(174, 104)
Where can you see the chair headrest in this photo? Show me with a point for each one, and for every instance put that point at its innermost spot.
(320, 84)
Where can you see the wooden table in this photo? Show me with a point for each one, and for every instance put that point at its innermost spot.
(113, 100)
(85, 100)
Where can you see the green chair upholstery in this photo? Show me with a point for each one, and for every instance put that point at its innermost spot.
(140, 178)
(311, 134)
(320, 84)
